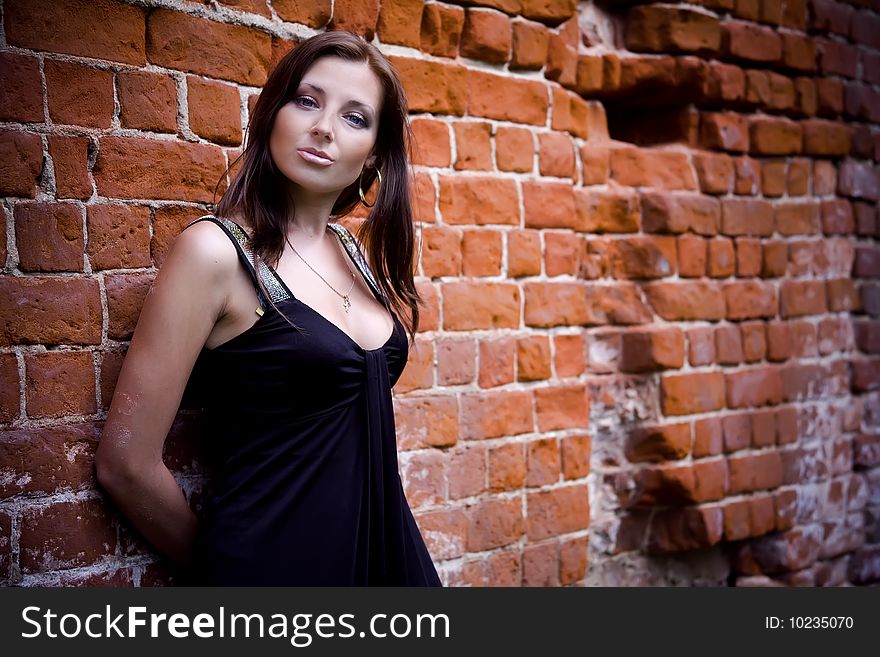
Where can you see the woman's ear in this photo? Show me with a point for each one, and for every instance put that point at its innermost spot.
(370, 162)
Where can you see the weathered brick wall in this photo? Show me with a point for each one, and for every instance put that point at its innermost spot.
(649, 253)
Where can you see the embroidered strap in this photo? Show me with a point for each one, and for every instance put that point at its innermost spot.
(350, 244)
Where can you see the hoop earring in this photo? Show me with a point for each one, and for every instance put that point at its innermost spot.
(361, 189)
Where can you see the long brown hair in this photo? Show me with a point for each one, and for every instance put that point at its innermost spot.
(256, 193)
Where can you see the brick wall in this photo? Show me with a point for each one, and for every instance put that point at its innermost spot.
(649, 254)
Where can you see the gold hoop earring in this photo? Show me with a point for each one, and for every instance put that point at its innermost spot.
(361, 188)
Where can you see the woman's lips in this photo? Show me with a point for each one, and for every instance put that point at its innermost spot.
(314, 159)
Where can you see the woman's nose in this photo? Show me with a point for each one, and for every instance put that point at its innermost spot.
(322, 128)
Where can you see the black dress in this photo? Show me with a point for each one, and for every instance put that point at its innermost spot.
(307, 490)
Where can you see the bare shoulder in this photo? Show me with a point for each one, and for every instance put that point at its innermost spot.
(205, 249)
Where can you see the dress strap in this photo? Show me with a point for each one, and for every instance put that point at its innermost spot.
(358, 258)
(241, 241)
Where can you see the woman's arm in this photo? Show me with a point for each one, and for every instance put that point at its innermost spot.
(179, 313)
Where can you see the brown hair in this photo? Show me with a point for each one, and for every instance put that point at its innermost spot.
(256, 192)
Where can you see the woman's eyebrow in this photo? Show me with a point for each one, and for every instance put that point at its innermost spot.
(350, 102)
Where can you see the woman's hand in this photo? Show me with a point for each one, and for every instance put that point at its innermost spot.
(182, 308)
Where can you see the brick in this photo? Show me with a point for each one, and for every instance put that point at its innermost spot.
(645, 351)
(432, 145)
(573, 558)
(49, 236)
(570, 355)
(356, 16)
(494, 523)
(643, 257)
(472, 144)
(747, 180)
(540, 565)
(481, 253)
(549, 205)
(608, 211)
(715, 172)
(562, 61)
(584, 119)
(543, 462)
(523, 253)
(314, 13)
(858, 180)
(774, 136)
(101, 29)
(79, 95)
(708, 437)
(589, 74)
(441, 29)
(487, 36)
(701, 346)
(728, 345)
(119, 236)
(506, 99)
(9, 393)
(837, 58)
(441, 251)
(797, 181)
(754, 341)
(746, 217)
(562, 254)
(691, 256)
(60, 383)
(837, 217)
(214, 111)
(435, 87)
(507, 467)
(663, 29)
(492, 415)
(724, 131)
(466, 200)
(497, 362)
(575, 456)
(679, 213)
(148, 101)
(842, 295)
(70, 159)
(799, 298)
(188, 43)
(466, 472)
(737, 431)
(144, 168)
(682, 301)
(21, 96)
(659, 443)
(634, 167)
(773, 178)
(806, 101)
(753, 472)
(757, 386)
(829, 96)
(49, 310)
(422, 474)
(826, 138)
(749, 299)
(752, 42)
(748, 257)
(724, 82)
(529, 44)
(798, 51)
(616, 304)
(562, 407)
(444, 532)
(399, 22)
(533, 358)
(692, 393)
(556, 155)
(125, 297)
(867, 263)
(797, 218)
(685, 529)
(514, 149)
(426, 422)
(554, 304)
(558, 511)
(168, 223)
(721, 258)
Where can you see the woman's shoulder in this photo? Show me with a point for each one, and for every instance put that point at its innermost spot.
(204, 246)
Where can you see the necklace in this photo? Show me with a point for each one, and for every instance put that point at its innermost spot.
(346, 299)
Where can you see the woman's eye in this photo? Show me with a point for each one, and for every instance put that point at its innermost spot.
(304, 100)
(358, 120)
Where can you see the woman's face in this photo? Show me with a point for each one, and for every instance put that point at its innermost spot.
(323, 137)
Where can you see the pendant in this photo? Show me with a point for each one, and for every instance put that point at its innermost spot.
(346, 302)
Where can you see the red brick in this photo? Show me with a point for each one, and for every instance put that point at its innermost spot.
(606, 211)
(798, 298)
(724, 131)
(494, 523)
(562, 61)
(747, 180)
(570, 357)
(481, 253)
(826, 138)
(691, 256)
(829, 96)
(214, 111)
(774, 259)
(497, 358)
(724, 82)
(496, 414)
(469, 306)
(9, 392)
(754, 341)
(837, 217)
(562, 254)
(358, 16)
(753, 472)
(748, 257)
(753, 42)
(432, 146)
(837, 58)
(797, 218)
(60, 383)
(584, 119)
(549, 205)
(540, 565)
(125, 296)
(21, 96)
(774, 136)
(556, 155)
(168, 223)
(441, 28)
(746, 217)
(685, 529)
(737, 430)
(465, 200)
(692, 393)
(314, 13)
(49, 236)
(643, 257)
(543, 462)
(595, 164)
(652, 28)
(858, 180)
(506, 99)
(678, 214)
(435, 87)
(575, 457)
(514, 149)
(486, 36)
(523, 253)
(558, 511)
(49, 310)
(708, 437)
(721, 258)
(728, 345)
(798, 51)
(472, 145)
(426, 422)
(145, 168)
(548, 11)
(441, 251)
(67, 534)
(773, 178)
(530, 42)
(644, 351)
(444, 532)
(423, 478)
(70, 158)
(119, 236)
(842, 295)
(79, 95)
(533, 358)
(806, 100)
(562, 407)
(683, 301)
(466, 472)
(749, 299)
(758, 386)
(659, 443)
(715, 172)
(179, 41)
(102, 29)
(634, 167)
(701, 346)
(148, 101)
(573, 560)
(507, 467)
(797, 181)
(612, 304)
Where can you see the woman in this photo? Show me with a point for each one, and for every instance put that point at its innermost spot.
(296, 339)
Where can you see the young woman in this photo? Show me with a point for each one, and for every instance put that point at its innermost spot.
(295, 335)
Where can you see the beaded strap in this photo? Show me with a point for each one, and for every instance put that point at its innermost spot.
(354, 251)
(267, 276)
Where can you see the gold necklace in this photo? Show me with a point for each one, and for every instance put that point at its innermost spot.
(346, 299)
